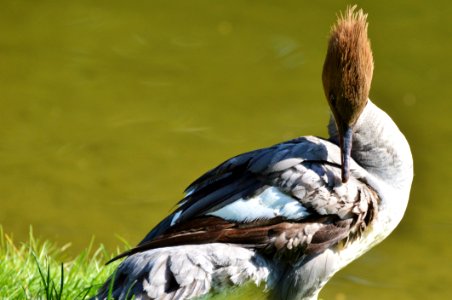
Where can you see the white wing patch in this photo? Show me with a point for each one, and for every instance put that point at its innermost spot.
(269, 204)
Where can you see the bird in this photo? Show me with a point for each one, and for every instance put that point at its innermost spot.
(291, 215)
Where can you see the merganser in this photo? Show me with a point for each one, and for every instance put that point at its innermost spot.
(291, 215)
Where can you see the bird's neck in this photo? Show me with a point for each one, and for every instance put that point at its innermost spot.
(382, 151)
(380, 148)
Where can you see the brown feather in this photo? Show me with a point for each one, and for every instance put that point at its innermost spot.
(276, 236)
(348, 68)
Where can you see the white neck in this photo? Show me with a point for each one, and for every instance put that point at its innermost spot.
(380, 148)
(383, 152)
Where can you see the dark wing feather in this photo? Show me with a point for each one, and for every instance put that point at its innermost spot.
(244, 175)
(275, 236)
(261, 161)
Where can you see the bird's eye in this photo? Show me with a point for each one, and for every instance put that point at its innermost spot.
(332, 99)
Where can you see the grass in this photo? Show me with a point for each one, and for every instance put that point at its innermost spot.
(42, 270)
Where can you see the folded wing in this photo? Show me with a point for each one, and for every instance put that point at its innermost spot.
(286, 200)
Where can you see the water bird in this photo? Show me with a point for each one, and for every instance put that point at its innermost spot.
(291, 215)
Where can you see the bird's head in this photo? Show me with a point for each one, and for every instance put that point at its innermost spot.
(347, 75)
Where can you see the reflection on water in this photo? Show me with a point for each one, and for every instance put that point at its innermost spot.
(108, 110)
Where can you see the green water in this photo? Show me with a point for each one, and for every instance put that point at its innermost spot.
(108, 109)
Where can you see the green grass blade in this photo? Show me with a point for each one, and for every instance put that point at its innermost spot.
(40, 270)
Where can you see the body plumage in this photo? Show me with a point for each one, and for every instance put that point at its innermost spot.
(291, 215)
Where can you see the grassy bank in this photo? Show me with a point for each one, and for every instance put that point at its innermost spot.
(42, 270)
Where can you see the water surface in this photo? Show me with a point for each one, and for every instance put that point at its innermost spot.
(110, 108)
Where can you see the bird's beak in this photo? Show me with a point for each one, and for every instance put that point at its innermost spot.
(346, 148)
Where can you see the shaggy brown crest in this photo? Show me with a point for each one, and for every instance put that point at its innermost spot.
(348, 67)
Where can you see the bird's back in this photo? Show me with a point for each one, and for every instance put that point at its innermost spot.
(251, 219)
